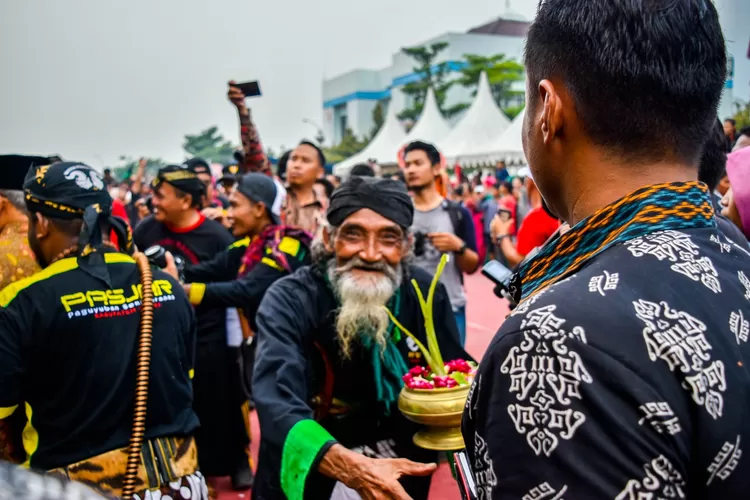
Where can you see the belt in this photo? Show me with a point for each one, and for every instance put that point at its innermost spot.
(163, 460)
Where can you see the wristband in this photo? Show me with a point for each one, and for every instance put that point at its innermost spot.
(463, 249)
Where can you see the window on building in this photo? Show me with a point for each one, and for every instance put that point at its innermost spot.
(341, 122)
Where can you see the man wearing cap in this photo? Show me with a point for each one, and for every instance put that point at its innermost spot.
(267, 250)
(179, 227)
(330, 363)
(229, 176)
(68, 341)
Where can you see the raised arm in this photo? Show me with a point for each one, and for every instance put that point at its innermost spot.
(254, 157)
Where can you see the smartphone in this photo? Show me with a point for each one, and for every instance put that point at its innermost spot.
(497, 273)
(250, 89)
(465, 476)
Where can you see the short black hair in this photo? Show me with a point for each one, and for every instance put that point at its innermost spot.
(731, 120)
(713, 163)
(645, 76)
(744, 131)
(321, 156)
(362, 170)
(431, 151)
(326, 185)
(507, 186)
(281, 167)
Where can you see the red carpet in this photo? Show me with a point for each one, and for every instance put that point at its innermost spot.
(485, 314)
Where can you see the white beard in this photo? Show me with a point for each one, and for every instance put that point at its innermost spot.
(362, 299)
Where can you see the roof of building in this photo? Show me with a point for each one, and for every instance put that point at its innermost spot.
(509, 24)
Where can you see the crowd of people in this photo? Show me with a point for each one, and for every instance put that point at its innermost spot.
(142, 319)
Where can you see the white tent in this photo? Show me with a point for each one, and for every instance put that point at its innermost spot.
(386, 143)
(431, 126)
(482, 123)
(508, 146)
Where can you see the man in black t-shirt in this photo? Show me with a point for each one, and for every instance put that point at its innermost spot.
(69, 339)
(180, 228)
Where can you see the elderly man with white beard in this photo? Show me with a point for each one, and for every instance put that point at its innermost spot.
(329, 362)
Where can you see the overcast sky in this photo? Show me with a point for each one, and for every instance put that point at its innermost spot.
(94, 79)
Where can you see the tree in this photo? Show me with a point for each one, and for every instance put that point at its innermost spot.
(348, 146)
(742, 114)
(209, 145)
(377, 119)
(431, 76)
(502, 74)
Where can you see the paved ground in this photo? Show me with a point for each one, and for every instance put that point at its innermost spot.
(485, 314)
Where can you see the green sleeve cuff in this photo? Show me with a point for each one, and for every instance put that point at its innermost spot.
(301, 449)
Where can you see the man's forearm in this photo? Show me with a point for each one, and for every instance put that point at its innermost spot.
(468, 262)
(509, 251)
(254, 158)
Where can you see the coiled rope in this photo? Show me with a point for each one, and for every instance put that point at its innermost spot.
(143, 364)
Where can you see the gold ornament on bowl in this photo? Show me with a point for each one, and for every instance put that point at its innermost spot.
(440, 411)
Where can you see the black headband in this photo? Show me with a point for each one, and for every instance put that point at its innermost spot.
(76, 191)
(386, 197)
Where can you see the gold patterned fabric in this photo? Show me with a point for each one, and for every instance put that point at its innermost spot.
(16, 258)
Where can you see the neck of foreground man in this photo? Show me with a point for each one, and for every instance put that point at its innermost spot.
(594, 188)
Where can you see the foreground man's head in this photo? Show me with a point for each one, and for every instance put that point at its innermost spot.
(363, 251)
(621, 94)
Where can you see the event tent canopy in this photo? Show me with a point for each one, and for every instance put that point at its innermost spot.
(482, 123)
(386, 143)
(507, 147)
(431, 126)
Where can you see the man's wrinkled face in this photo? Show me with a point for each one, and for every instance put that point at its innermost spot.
(303, 167)
(419, 171)
(365, 272)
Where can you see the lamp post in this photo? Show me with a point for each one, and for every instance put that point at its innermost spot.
(321, 137)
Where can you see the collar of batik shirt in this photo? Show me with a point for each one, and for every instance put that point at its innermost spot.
(678, 205)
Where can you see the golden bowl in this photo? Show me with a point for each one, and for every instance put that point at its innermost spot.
(440, 411)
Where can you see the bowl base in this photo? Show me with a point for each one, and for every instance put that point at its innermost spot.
(440, 439)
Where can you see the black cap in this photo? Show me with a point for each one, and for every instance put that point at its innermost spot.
(198, 165)
(230, 172)
(261, 188)
(13, 169)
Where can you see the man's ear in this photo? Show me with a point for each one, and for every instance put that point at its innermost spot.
(42, 226)
(327, 236)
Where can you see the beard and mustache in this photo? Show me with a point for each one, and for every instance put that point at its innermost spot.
(363, 298)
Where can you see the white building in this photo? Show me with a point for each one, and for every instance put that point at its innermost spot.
(349, 99)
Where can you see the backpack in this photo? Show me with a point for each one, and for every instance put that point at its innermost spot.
(458, 221)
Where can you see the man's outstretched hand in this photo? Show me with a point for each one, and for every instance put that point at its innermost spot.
(372, 478)
(236, 95)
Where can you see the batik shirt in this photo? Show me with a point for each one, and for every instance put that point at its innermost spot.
(623, 373)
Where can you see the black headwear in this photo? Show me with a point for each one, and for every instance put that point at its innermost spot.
(13, 169)
(183, 178)
(386, 197)
(197, 165)
(70, 191)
